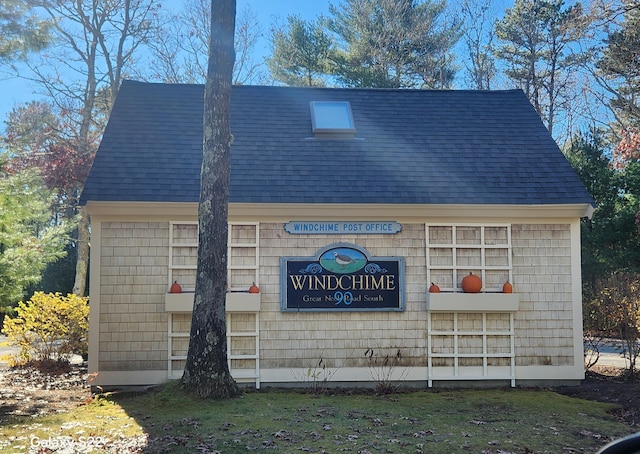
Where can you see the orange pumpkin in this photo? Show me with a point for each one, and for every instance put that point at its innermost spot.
(507, 287)
(175, 288)
(434, 288)
(254, 288)
(471, 284)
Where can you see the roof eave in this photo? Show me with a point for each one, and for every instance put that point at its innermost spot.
(283, 212)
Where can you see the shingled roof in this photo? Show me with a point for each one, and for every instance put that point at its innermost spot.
(411, 147)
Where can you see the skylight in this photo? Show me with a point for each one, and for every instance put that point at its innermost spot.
(332, 119)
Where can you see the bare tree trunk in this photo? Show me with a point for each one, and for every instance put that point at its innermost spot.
(206, 372)
(82, 264)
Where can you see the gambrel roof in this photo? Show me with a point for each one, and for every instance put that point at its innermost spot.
(410, 147)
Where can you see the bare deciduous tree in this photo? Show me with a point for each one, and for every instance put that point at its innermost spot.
(94, 44)
(181, 42)
(538, 44)
(478, 38)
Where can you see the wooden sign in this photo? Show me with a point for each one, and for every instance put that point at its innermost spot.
(341, 227)
(342, 277)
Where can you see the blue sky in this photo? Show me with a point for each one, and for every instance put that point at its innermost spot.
(16, 91)
(265, 9)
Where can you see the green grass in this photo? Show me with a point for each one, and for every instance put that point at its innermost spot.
(491, 421)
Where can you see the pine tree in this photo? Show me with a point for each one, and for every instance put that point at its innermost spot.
(394, 43)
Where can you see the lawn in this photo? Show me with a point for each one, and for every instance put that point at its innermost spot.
(476, 421)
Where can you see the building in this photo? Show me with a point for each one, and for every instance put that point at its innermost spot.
(345, 205)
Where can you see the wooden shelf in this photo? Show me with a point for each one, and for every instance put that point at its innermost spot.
(236, 302)
(473, 302)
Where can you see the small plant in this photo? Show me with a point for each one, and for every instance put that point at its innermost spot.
(317, 377)
(383, 370)
(48, 327)
(592, 345)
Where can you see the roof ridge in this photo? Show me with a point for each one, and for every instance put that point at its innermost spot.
(305, 88)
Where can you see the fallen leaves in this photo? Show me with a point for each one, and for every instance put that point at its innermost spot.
(28, 392)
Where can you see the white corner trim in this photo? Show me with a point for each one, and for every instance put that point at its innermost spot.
(576, 285)
(94, 295)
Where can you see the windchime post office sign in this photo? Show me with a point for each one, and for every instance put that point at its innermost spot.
(342, 277)
(342, 227)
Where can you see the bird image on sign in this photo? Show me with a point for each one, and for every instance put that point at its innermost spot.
(343, 260)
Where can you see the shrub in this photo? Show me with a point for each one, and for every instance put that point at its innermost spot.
(49, 327)
(619, 307)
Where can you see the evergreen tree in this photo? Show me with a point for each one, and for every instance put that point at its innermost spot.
(621, 63)
(620, 67)
(369, 43)
(610, 239)
(20, 32)
(28, 241)
(394, 43)
(301, 53)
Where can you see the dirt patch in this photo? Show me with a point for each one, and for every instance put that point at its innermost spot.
(610, 384)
